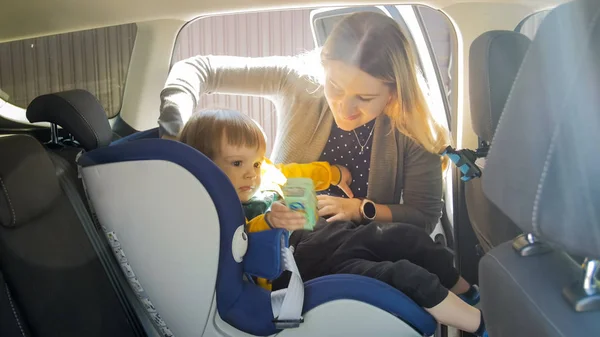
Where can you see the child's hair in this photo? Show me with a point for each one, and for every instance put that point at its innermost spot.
(205, 130)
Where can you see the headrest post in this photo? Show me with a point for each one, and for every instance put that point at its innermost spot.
(584, 295)
(589, 276)
(53, 133)
(528, 245)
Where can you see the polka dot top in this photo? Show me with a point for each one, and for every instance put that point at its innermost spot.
(353, 150)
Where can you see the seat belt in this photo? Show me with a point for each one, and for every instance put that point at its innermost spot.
(287, 304)
(141, 329)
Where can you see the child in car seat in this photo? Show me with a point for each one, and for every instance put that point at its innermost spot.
(423, 271)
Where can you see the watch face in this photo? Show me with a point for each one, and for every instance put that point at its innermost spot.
(369, 210)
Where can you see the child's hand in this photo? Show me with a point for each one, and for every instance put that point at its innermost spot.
(281, 216)
(345, 181)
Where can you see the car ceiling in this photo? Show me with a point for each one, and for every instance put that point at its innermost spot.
(21, 19)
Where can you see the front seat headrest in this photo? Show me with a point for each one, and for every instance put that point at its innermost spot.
(28, 183)
(542, 168)
(78, 112)
(494, 60)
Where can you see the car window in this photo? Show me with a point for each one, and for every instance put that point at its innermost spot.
(96, 60)
(285, 32)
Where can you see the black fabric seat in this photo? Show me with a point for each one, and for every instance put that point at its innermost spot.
(11, 320)
(542, 172)
(53, 274)
(53, 280)
(494, 60)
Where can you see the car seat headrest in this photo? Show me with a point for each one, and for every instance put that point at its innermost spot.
(494, 60)
(542, 169)
(28, 183)
(76, 111)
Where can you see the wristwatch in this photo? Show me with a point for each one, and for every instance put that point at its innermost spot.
(368, 211)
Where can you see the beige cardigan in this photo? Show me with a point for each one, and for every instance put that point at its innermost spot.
(400, 168)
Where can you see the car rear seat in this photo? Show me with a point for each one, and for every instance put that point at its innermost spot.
(494, 60)
(53, 281)
(52, 272)
(11, 320)
(182, 307)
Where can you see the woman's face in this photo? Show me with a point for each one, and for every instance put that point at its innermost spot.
(355, 97)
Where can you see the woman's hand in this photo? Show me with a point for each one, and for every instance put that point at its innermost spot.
(281, 216)
(339, 209)
(345, 180)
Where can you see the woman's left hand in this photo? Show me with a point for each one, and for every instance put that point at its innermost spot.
(339, 209)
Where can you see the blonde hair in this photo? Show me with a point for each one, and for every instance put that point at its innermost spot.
(206, 129)
(375, 43)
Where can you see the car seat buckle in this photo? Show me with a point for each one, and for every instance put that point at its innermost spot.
(287, 323)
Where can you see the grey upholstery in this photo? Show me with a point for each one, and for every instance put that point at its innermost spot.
(491, 226)
(522, 296)
(494, 60)
(542, 171)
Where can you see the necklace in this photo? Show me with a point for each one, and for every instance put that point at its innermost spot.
(362, 147)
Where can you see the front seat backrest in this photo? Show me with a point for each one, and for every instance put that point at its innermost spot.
(542, 172)
(545, 145)
(494, 60)
(53, 274)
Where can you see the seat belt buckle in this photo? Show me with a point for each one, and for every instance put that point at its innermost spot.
(287, 323)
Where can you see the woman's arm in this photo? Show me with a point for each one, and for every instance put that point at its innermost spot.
(383, 213)
(423, 187)
(422, 195)
(189, 79)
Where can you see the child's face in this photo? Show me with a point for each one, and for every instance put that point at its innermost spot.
(242, 167)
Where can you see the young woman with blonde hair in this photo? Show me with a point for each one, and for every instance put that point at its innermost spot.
(363, 97)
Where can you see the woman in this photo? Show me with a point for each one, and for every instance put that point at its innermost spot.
(360, 106)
